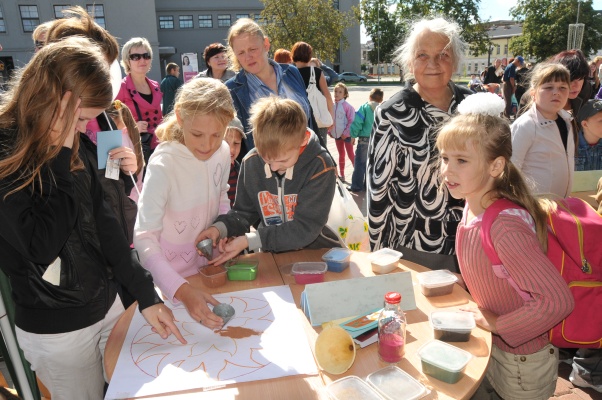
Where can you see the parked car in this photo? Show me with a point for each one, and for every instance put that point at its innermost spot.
(352, 77)
(331, 76)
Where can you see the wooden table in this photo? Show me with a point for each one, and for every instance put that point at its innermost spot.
(418, 332)
(293, 387)
(275, 270)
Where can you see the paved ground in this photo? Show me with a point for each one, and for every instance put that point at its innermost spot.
(358, 95)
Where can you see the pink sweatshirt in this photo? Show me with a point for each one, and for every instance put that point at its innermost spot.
(181, 197)
(522, 326)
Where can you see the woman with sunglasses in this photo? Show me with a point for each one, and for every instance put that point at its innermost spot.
(142, 95)
(216, 58)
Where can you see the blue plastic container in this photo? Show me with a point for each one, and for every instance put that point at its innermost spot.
(337, 259)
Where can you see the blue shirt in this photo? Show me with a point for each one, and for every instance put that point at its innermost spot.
(588, 157)
(509, 72)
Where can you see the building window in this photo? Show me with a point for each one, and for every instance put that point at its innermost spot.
(186, 22)
(498, 49)
(98, 12)
(166, 22)
(476, 67)
(2, 25)
(58, 11)
(506, 49)
(335, 4)
(239, 16)
(205, 21)
(224, 20)
(258, 19)
(29, 17)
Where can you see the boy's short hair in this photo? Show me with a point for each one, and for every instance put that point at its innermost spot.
(377, 95)
(278, 124)
(171, 67)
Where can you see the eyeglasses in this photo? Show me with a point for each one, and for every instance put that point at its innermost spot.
(137, 57)
(39, 44)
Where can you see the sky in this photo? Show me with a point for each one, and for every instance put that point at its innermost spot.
(496, 10)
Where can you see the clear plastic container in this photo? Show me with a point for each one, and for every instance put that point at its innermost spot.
(213, 275)
(352, 388)
(309, 272)
(384, 260)
(393, 383)
(452, 326)
(337, 259)
(242, 270)
(437, 283)
(443, 361)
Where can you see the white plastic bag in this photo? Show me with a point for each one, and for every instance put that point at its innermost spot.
(318, 103)
(346, 220)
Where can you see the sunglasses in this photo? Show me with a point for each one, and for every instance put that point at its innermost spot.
(137, 57)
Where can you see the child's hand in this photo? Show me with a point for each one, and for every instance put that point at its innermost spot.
(128, 159)
(142, 126)
(61, 124)
(230, 248)
(195, 301)
(484, 318)
(162, 320)
(209, 233)
(353, 141)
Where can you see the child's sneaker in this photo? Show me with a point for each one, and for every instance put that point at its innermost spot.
(577, 380)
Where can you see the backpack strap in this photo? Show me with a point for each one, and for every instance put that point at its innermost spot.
(491, 213)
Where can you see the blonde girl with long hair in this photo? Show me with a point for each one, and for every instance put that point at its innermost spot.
(476, 149)
(61, 248)
(184, 191)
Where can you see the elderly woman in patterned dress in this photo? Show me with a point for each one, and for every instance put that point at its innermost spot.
(407, 209)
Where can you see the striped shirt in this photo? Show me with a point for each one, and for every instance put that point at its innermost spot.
(522, 326)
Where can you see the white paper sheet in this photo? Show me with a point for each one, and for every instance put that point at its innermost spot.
(277, 347)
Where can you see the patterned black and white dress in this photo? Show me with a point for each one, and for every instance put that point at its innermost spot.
(406, 208)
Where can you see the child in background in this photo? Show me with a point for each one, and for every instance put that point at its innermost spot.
(234, 136)
(543, 143)
(184, 191)
(475, 149)
(124, 120)
(60, 245)
(361, 128)
(285, 189)
(589, 150)
(343, 118)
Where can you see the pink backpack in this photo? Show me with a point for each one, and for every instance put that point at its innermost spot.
(575, 249)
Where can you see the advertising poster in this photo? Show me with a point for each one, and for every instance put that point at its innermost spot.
(190, 66)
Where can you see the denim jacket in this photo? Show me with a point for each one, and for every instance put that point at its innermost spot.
(239, 89)
(588, 157)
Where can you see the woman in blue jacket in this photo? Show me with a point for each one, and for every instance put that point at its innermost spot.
(258, 76)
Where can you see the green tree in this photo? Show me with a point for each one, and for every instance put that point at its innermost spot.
(546, 25)
(377, 16)
(316, 22)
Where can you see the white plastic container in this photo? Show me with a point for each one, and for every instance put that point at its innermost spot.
(384, 260)
(437, 283)
(443, 361)
(452, 326)
(393, 383)
(352, 388)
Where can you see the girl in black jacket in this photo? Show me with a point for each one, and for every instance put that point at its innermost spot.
(60, 245)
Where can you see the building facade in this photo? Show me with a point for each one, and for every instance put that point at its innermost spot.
(173, 27)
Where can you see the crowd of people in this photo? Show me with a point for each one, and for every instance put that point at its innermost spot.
(236, 156)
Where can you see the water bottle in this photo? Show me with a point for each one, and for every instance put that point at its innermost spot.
(392, 330)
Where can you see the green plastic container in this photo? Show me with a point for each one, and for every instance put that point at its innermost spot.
(242, 270)
(443, 361)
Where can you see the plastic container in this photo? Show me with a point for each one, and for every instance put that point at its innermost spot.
(352, 388)
(452, 326)
(337, 259)
(242, 270)
(384, 260)
(437, 283)
(392, 383)
(443, 361)
(213, 275)
(309, 272)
